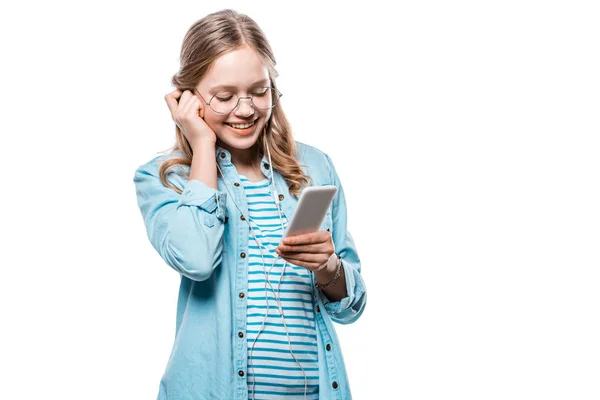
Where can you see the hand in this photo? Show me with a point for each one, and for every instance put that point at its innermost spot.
(310, 250)
(188, 113)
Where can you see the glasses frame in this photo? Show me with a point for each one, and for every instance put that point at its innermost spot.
(279, 94)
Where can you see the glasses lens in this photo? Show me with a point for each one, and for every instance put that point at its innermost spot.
(223, 102)
(265, 98)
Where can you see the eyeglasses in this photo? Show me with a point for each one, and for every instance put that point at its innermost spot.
(224, 102)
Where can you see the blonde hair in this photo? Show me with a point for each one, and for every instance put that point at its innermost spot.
(206, 40)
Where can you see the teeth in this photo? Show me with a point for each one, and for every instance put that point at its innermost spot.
(241, 126)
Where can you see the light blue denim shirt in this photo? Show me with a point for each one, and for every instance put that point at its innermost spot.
(200, 235)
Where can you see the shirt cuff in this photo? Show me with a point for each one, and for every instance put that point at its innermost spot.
(198, 193)
(342, 304)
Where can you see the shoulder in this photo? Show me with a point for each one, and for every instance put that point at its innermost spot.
(150, 169)
(317, 163)
(154, 162)
(304, 150)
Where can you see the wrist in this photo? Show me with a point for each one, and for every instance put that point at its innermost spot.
(330, 266)
(200, 144)
(328, 274)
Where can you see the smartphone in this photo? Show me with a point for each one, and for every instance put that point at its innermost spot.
(311, 209)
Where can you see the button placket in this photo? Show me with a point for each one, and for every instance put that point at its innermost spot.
(241, 295)
(329, 354)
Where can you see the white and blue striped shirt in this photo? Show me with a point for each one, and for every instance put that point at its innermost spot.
(272, 369)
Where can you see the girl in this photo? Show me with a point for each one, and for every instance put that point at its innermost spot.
(254, 315)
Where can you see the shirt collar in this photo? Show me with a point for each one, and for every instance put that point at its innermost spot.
(224, 157)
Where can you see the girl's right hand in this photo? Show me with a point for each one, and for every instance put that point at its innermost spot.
(188, 113)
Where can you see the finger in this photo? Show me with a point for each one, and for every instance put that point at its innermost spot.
(191, 107)
(319, 258)
(305, 264)
(171, 99)
(303, 248)
(182, 104)
(307, 238)
(186, 98)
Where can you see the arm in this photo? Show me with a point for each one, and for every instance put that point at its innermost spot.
(187, 229)
(349, 308)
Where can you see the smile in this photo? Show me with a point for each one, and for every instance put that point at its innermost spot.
(241, 126)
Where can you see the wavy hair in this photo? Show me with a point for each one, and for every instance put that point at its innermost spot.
(205, 41)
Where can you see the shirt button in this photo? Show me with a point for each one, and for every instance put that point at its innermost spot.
(328, 347)
(241, 334)
(334, 384)
(236, 184)
(280, 197)
(242, 295)
(222, 155)
(243, 255)
(318, 309)
(241, 373)
(242, 218)
(266, 165)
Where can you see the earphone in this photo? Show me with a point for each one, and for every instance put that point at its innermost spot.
(267, 274)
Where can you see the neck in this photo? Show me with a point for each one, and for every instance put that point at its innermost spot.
(244, 159)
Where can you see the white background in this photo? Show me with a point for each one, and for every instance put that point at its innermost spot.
(465, 134)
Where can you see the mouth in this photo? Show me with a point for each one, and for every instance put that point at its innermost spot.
(242, 129)
(242, 126)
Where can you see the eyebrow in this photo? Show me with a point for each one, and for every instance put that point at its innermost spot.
(264, 81)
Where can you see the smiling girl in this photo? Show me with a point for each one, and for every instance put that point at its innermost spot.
(255, 314)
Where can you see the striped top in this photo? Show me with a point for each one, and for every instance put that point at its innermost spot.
(272, 371)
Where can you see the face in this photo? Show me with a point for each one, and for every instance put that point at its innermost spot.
(242, 73)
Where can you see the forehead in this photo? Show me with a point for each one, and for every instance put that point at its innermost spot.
(239, 68)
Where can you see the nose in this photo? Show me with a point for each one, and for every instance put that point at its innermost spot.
(244, 108)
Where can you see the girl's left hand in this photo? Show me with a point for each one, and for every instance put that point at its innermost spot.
(310, 250)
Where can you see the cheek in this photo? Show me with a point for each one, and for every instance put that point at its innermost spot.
(215, 122)
(264, 118)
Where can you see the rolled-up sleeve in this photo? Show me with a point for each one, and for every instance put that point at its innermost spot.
(212, 201)
(185, 229)
(350, 308)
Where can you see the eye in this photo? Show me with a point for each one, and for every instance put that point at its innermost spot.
(223, 96)
(261, 92)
